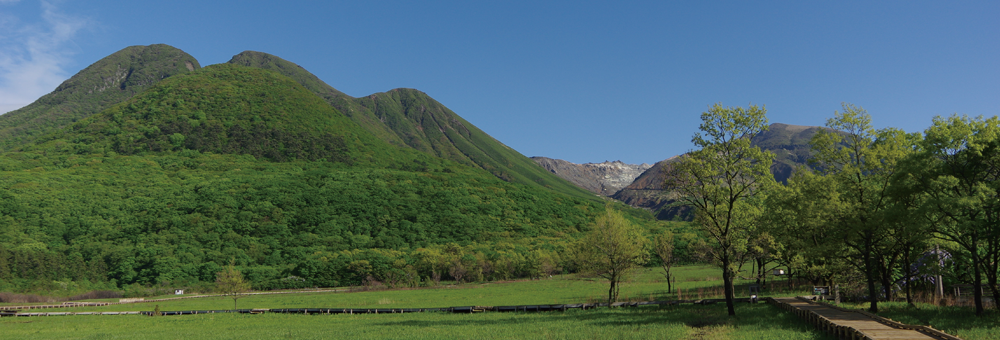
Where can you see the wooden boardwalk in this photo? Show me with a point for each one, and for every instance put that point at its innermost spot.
(849, 324)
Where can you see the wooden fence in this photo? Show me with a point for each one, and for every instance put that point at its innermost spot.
(463, 309)
(128, 301)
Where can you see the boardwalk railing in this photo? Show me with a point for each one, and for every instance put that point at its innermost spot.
(895, 324)
(822, 323)
(847, 332)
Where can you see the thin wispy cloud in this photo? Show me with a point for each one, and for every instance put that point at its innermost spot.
(33, 56)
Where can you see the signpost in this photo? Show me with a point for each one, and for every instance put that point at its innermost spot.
(822, 292)
(754, 290)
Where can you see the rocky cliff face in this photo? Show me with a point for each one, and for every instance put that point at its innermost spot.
(647, 192)
(600, 178)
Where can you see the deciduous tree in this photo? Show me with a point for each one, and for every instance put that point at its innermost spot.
(229, 282)
(800, 215)
(861, 161)
(612, 250)
(663, 245)
(722, 180)
(957, 174)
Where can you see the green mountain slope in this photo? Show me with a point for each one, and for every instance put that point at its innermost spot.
(231, 109)
(412, 118)
(424, 124)
(237, 163)
(107, 82)
(342, 102)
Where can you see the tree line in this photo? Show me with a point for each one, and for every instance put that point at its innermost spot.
(891, 209)
(178, 217)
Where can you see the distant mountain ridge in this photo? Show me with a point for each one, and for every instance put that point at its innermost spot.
(604, 179)
(789, 143)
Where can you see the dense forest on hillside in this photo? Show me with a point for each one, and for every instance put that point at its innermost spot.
(236, 163)
(153, 219)
(228, 109)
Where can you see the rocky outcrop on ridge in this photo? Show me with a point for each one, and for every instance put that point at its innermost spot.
(600, 178)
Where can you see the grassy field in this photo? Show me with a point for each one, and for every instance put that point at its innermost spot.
(958, 321)
(759, 321)
(695, 282)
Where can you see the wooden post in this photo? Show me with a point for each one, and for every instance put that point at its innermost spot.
(937, 280)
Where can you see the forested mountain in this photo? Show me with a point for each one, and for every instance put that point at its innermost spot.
(230, 162)
(230, 109)
(107, 82)
(412, 118)
(789, 143)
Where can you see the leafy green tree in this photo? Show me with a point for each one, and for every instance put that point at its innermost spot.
(799, 215)
(861, 161)
(612, 250)
(723, 181)
(663, 245)
(229, 282)
(956, 178)
(762, 250)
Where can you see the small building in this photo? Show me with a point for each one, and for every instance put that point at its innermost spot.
(178, 292)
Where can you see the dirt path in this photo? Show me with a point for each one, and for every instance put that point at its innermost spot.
(847, 324)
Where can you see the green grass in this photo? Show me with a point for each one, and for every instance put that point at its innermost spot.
(696, 282)
(758, 321)
(958, 321)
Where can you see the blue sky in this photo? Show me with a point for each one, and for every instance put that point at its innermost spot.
(577, 80)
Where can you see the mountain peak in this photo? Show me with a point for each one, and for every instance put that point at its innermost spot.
(411, 118)
(103, 84)
(227, 109)
(292, 70)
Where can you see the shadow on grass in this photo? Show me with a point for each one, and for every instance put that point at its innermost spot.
(755, 316)
(952, 320)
